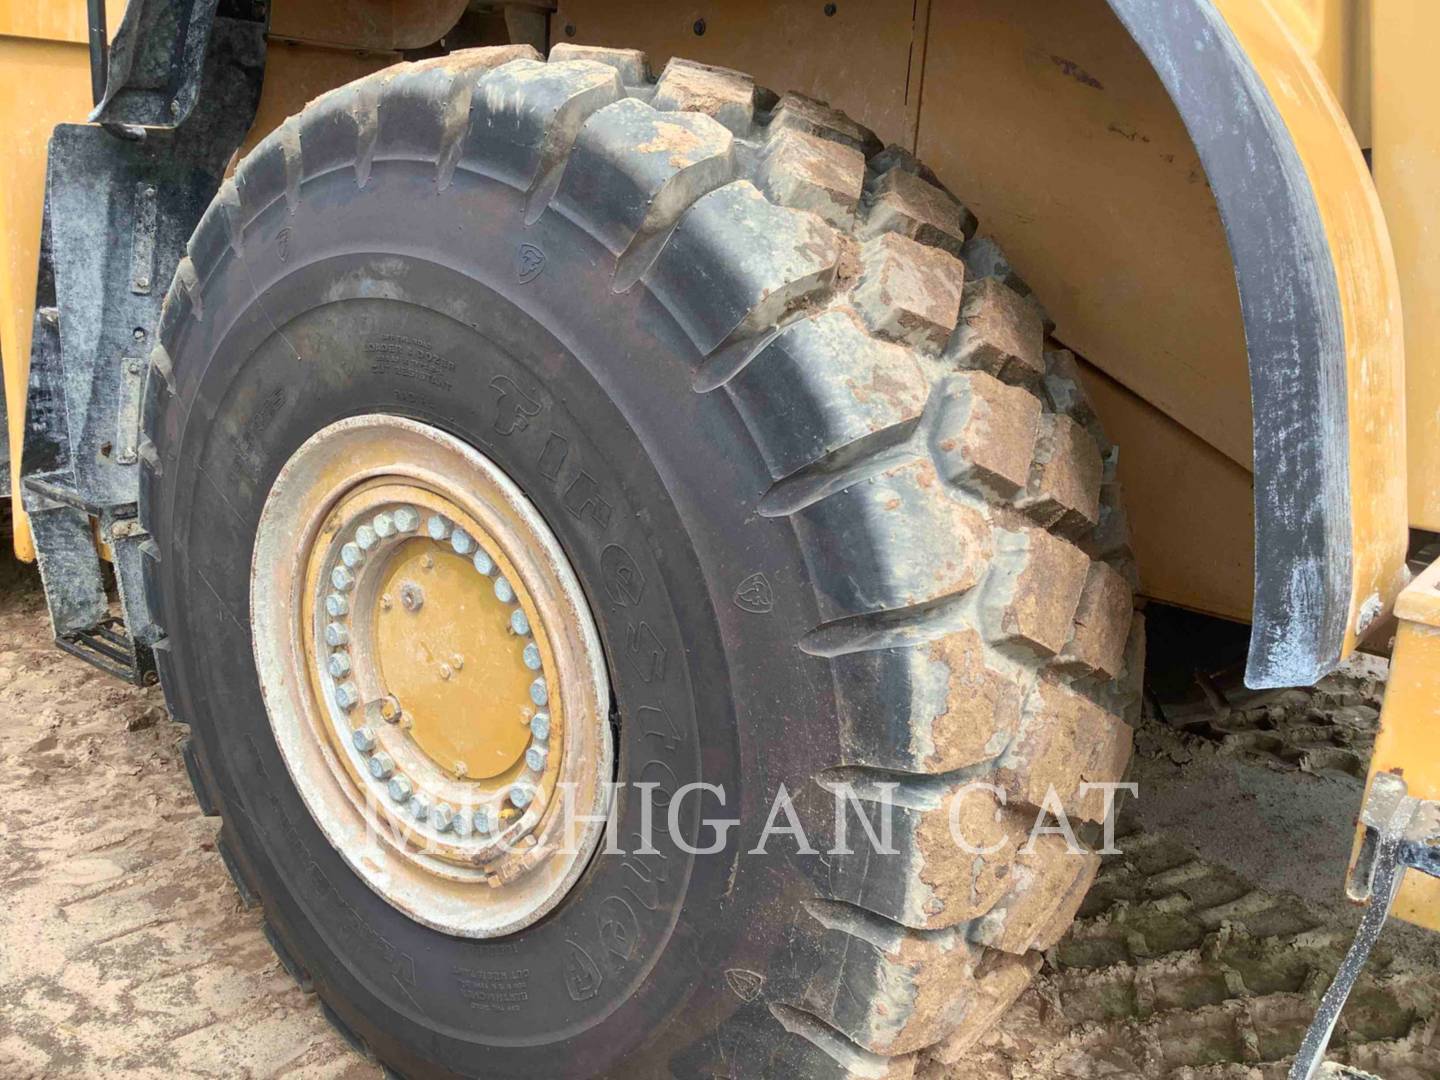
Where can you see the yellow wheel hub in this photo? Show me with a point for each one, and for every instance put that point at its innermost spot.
(445, 647)
(433, 676)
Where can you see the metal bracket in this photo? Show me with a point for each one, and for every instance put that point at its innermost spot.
(121, 201)
(1401, 833)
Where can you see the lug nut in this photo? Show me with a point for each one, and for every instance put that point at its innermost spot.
(342, 579)
(461, 542)
(487, 820)
(519, 622)
(384, 525)
(442, 817)
(346, 695)
(382, 765)
(437, 527)
(420, 807)
(457, 661)
(503, 592)
(462, 825)
(539, 692)
(535, 758)
(339, 664)
(400, 788)
(336, 634)
(540, 726)
(365, 537)
(351, 555)
(445, 671)
(363, 739)
(483, 562)
(336, 606)
(532, 656)
(407, 519)
(522, 795)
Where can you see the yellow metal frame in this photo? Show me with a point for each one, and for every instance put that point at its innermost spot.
(1409, 741)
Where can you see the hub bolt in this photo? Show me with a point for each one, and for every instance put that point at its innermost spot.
(412, 597)
(445, 671)
(400, 788)
(346, 695)
(382, 765)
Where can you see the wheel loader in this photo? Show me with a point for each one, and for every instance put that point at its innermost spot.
(547, 449)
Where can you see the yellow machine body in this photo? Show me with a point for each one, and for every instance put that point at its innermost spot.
(1059, 126)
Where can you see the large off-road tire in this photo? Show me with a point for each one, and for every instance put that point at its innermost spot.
(870, 526)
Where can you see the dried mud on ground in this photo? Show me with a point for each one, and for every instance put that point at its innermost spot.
(125, 950)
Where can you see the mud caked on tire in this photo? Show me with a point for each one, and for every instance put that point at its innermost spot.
(839, 515)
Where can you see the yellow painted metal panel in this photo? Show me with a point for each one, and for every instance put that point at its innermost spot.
(53, 20)
(45, 83)
(1409, 740)
(1369, 299)
(1192, 509)
(1406, 157)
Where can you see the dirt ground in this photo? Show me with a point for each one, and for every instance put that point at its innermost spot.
(125, 950)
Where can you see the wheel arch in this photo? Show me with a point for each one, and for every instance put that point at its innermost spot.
(1319, 301)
